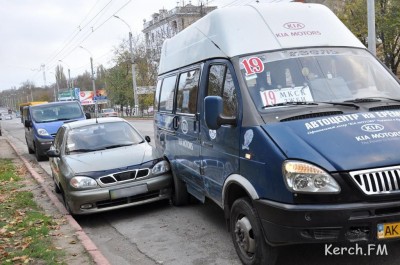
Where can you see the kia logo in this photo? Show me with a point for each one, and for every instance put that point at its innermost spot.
(372, 127)
(294, 25)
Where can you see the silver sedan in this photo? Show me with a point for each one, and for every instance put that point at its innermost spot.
(105, 163)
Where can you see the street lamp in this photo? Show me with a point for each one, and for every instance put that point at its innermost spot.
(135, 96)
(69, 79)
(94, 85)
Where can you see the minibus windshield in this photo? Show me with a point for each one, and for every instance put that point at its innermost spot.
(56, 112)
(316, 75)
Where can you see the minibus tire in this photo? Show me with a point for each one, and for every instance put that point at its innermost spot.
(180, 196)
(38, 156)
(245, 227)
(30, 150)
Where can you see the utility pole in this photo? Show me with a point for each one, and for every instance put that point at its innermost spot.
(44, 75)
(30, 88)
(94, 84)
(69, 87)
(371, 27)
(135, 95)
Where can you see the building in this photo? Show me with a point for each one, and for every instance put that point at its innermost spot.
(166, 24)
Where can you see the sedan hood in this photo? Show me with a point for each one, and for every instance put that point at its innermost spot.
(116, 158)
(342, 142)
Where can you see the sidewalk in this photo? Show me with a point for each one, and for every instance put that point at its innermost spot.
(70, 237)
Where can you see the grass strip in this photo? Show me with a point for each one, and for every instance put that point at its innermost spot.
(24, 228)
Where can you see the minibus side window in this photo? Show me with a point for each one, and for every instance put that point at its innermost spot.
(220, 83)
(186, 98)
(167, 94)
(157, 95)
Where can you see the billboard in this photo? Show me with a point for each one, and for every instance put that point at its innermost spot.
(87, 97)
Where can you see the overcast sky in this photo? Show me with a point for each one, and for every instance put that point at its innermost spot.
(42, 32)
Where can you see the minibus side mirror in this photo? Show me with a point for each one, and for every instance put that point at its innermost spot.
(28, 123)
(213, 107)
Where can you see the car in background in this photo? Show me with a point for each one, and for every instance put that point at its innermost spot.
(3, 115)
(105, 163)
(108, 113)
(7, 117)
(43, 120)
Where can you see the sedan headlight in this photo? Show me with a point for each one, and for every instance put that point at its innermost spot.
(42, 132)
(160, 167)
(302, 177)
(83, 182)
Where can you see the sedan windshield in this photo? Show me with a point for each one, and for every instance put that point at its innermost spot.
(315, 75)
(101, 136)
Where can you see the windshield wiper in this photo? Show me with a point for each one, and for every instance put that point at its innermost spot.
(117, 145)
(371, 99)
(295, 103)
(84, 150)
(342, 104)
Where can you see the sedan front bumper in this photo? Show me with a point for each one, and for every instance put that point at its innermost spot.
(120, 196)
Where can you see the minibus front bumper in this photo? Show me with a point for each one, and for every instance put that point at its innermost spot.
(285, 224)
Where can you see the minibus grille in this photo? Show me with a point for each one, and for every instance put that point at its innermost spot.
(125, 176)
(312, 115)
(378, 181)
(390, 107)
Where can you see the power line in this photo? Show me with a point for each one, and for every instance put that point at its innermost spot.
(83, 38)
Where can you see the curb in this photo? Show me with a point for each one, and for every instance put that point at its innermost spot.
(87, 243)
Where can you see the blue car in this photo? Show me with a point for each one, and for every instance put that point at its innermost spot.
(42, 122)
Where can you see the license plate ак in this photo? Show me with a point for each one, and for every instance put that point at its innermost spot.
(388, 230)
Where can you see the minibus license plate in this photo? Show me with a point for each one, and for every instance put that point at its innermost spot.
(388, 230)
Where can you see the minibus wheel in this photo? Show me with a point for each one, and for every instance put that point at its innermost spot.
(30, 150)
(180, 196)
(38, 156)
(247, 235)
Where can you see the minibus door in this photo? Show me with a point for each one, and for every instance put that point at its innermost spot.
(186, 151)
(219, 148)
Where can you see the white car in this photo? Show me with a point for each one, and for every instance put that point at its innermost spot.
(108, 113)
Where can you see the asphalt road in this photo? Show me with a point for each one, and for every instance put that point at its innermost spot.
(159, 233)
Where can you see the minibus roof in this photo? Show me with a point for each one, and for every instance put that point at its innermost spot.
(231, 31)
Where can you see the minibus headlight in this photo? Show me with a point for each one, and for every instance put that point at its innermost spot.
(302, 177)
(80, 182)
(42, 132)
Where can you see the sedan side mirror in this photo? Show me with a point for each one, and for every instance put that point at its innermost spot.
(87, 115)
(53, 153)
(147, 138)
